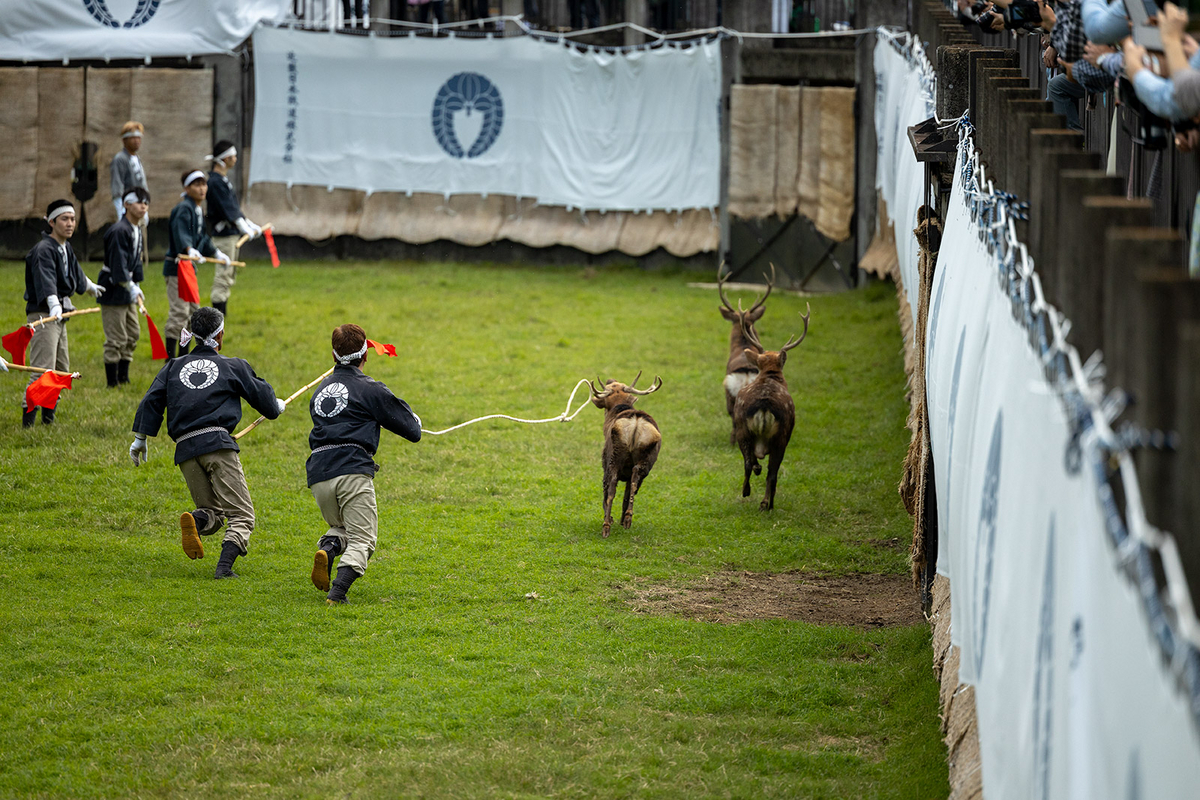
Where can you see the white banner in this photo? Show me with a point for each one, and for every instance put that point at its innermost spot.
(51, 30)
(514, 116)
(1072, 695)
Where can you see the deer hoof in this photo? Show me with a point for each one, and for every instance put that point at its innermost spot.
(604, 532)
(746, 490)
(766, 505)
(627, 521)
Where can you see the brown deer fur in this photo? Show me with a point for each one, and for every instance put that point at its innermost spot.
(739, 370)
(631, 444)
(764, 415)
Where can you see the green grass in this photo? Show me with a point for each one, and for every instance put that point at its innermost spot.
(129, 672)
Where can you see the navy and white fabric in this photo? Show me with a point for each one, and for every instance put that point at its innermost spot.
(53, 30)
(517, 116)
(186, 229)
(52, 269)
(347, 412)
(203, 391)
(223, 208)
(122, 262)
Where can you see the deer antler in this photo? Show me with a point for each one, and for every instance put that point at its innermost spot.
(635, 380)
(790, 344)
(751, 336)
(654, 387)
(721, 288)
(770, 285)
(596, 392)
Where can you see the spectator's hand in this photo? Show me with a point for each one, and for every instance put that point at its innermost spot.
(194, 255)
(1172, 20)
(139, 450)
(1049, 57)
(1049, 18)
(1134, 53)
(1093, 51)
(1190, 46)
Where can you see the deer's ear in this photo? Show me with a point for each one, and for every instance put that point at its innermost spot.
(727, 314)
(782, 357)
(598, 401)
(751, 356)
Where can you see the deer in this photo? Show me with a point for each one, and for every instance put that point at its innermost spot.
(631, 443)
(764, 414)
(739, 369)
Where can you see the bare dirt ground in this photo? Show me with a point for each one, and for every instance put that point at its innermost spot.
(861, 601)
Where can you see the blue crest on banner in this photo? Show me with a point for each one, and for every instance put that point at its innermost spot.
(985, 543)
(141, 14)
(469, 92)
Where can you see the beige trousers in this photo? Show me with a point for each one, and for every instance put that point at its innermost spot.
(179, 312)
(218, 488)
(48, 348)
(122, 329)
(347, 503)
(225, 276)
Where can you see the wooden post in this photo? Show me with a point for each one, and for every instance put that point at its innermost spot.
(1062, 198)
(1023, 116)
(1050, 150)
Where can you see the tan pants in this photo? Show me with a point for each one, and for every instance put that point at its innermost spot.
(48, 348)
(122, 329)
(218, 488)
(225, 276)
(179, 312)
(347, 503)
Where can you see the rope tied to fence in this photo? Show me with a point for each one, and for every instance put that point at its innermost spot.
(566, 416)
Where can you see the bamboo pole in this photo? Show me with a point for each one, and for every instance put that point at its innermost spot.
(39, 370)
(204, 260)
(294, 395)
(245, 237)
(67, 315)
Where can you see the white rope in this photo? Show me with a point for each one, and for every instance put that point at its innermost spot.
(566, 416)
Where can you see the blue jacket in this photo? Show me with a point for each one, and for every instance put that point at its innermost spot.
(122, 263)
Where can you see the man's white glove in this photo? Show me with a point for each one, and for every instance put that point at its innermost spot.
(136, 291)
(94, 289)
(3, 366)
(54, 306)
(256, 228)
(194, 255)
(280, 405)
(224, 259)
(139, 450)
(247, 227)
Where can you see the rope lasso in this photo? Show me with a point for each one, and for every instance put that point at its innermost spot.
(566, 416)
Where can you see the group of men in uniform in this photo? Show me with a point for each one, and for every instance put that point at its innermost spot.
(200, 391)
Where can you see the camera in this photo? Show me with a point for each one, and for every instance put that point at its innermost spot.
(1020, 15)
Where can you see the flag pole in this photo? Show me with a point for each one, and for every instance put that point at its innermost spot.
(203, 260)
(67, 315)
(294, 395)
(39, 370)
(246, 237)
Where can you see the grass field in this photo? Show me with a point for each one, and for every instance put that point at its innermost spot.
(129, 672)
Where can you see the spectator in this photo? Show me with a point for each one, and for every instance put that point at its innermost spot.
(584, 14)
(1104, 22)
(1067, 42)
(423, 6)
(1175, 96)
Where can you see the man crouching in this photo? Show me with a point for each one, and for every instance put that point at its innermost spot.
(202, 394)
(347, 412)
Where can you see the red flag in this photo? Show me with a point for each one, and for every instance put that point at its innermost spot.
(189, 290)
(44, 391)
(270, 239)
(16, 342)
(382, 349)
(158, 350)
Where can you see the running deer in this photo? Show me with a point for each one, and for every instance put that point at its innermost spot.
(764, 414)
(631, 443)
(739, 369)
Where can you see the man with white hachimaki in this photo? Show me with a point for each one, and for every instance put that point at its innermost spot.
(202, 394)
(120, 276)
(225, 220)
(347, 412)
(187, 239)
(52, 275)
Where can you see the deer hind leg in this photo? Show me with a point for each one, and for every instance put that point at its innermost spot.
(610, 492)
(752, 465)
(627, 503)
(773, 462)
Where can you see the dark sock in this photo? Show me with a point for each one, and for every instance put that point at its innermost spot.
(201, 518)
(28, 417)
(332, 547)
(229, 554)
(123, 371)
(110, 373)
(341, 585)
(221, 307)
(170, 344)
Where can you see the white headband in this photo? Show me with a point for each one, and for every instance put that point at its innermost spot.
(59, 211)
(192, 176)
(232, 151)
(352, 357)
(131, 134)
(186, 336)
(131, 198)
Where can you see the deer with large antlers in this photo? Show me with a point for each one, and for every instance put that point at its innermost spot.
(739, 369)
(631, 443)
(764, 414)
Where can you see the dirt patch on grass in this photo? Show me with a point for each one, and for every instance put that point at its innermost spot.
(860, 601)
